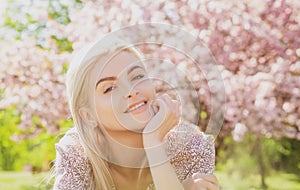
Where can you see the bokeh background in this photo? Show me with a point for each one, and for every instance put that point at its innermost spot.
(256, 44)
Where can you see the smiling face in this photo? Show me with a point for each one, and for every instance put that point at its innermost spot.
(123, 94)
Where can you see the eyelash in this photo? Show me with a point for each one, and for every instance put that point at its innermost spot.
(109, 89)
(137, 77)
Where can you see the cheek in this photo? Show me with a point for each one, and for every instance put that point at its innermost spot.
(152, 92)
(108, 110)
(148, 88)
(104, 108)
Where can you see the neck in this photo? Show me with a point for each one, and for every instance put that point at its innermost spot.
(130, 178)
(126, 149)
(127, 138)
(130, 173)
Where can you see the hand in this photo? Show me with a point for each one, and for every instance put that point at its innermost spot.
(201, 181)
(166, 116)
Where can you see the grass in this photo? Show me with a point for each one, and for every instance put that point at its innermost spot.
(278, 181)
(22, 181)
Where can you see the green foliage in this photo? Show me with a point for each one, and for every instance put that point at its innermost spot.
(237, 157)
(63, 44)
(10, 150)
(17, 25)
(60, 12)
(23, 181)
(34, 149)
(40, 151)
(276, 181)
(65, 125)
(258, 156)
(21, 24)
(289, 158)
(65, 68)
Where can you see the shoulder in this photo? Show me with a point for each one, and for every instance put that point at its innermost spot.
(70, 146)
(72, 165)
(186, 132)
(70, 137)
(190, 150)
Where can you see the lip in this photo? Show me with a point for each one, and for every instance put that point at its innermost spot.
(134, 104)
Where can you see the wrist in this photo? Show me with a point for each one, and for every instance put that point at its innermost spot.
(156, 155)
(150, 140)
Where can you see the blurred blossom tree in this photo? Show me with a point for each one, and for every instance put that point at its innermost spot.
(255, 42)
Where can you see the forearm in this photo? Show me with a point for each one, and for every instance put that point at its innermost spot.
(163, 174)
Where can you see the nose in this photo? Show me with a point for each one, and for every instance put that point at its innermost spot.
(132, 94)
(129, 89)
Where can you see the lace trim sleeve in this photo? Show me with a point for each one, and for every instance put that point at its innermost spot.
(73, 170)
(190, 150)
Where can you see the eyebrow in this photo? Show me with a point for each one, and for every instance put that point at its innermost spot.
(105, 79)
(133, 68)
(114, 78)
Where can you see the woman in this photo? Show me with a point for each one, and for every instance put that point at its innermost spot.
(122, 134)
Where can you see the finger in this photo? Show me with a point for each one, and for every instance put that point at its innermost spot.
(166, 98)
(154, 107)
(172, 104)
(203, 184)
(161, 109)
(189, 184)
(177, 107)
(170, 115)
(208, 177)
(173, 108)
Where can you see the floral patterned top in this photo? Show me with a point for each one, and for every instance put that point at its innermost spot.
(188, 149)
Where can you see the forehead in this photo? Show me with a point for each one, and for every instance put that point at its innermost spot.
(116, 65)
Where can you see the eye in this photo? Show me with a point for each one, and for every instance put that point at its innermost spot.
(137, 77)
(109, 89)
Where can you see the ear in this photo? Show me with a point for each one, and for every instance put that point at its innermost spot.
(87, 116)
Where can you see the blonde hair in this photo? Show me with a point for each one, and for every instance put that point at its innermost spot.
(80, 91)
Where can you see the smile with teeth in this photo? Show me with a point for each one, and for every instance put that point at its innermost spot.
(135, 107)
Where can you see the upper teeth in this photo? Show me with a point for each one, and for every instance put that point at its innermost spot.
(136, 107)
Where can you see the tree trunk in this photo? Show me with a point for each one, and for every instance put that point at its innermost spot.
(261, 164)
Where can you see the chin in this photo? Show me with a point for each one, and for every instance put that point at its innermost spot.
(139, 126)
(136, 123)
